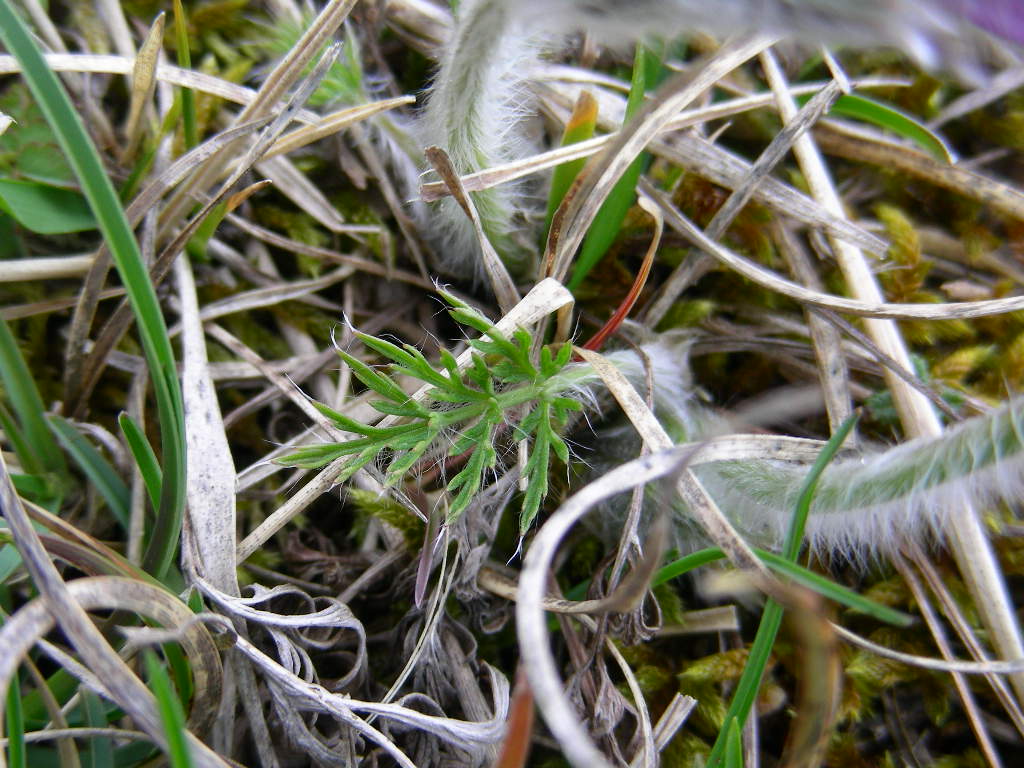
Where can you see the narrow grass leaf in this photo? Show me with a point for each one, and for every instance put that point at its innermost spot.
(101, 752)
(580, 127)
(771, 619)
(188, 98)
(103, 476)
(608, 222)
(145, 459)
(733, 745)
(891, 119)
(10, 561)
(181, 673)
(53, 101)
(171, 713)
(795, 533)
(37, 485)
(797, 573)
(144, 162)
(198, 243)
(41, 452)
(15, 717)
(686, 564)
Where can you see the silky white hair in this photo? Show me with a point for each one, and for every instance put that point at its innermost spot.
(477, 104)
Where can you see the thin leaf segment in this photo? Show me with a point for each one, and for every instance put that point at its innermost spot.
(465, 408)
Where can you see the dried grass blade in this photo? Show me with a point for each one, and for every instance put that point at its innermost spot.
(287, 72)
(296, 186)
(44, 268)
(332, 123)
(117, 324)
(210, 488)
(143, 84)
(501, 282)
(701, 505)
(994, 667)
(571, 153)
(35, 620)
(861, 145)
(647, 754)
(967, 699)
(966, 633)
(78, 381)
(122, 65)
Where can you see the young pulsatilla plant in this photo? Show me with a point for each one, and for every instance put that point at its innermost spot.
(464, 412)
(476, 106)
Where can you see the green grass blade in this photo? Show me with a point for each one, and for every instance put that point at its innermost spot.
(15, 726)
(103, 476)
(733, 745)
(41, 452)
(84, 159)
(891, 119)
(199, 242)
(608, 222)
(171, 712)
(101, 750)
(44, 489)
(804, 576)
(188, 98)
(771, 619)
(62, 685)
(144, 457)
(580, 127)
(144, 162)
(32, 487)
(180, 671)
(686, 564)
(833, 591)
(795, 534)
(10, 561)
(750, 680)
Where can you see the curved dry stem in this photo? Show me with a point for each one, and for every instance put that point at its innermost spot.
(924, 662)
(34, 620)
(532, 631)
(961, 310)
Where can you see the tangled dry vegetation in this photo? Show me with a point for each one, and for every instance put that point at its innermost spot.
(223, 547)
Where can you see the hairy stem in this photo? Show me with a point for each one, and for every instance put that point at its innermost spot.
(871, 501)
